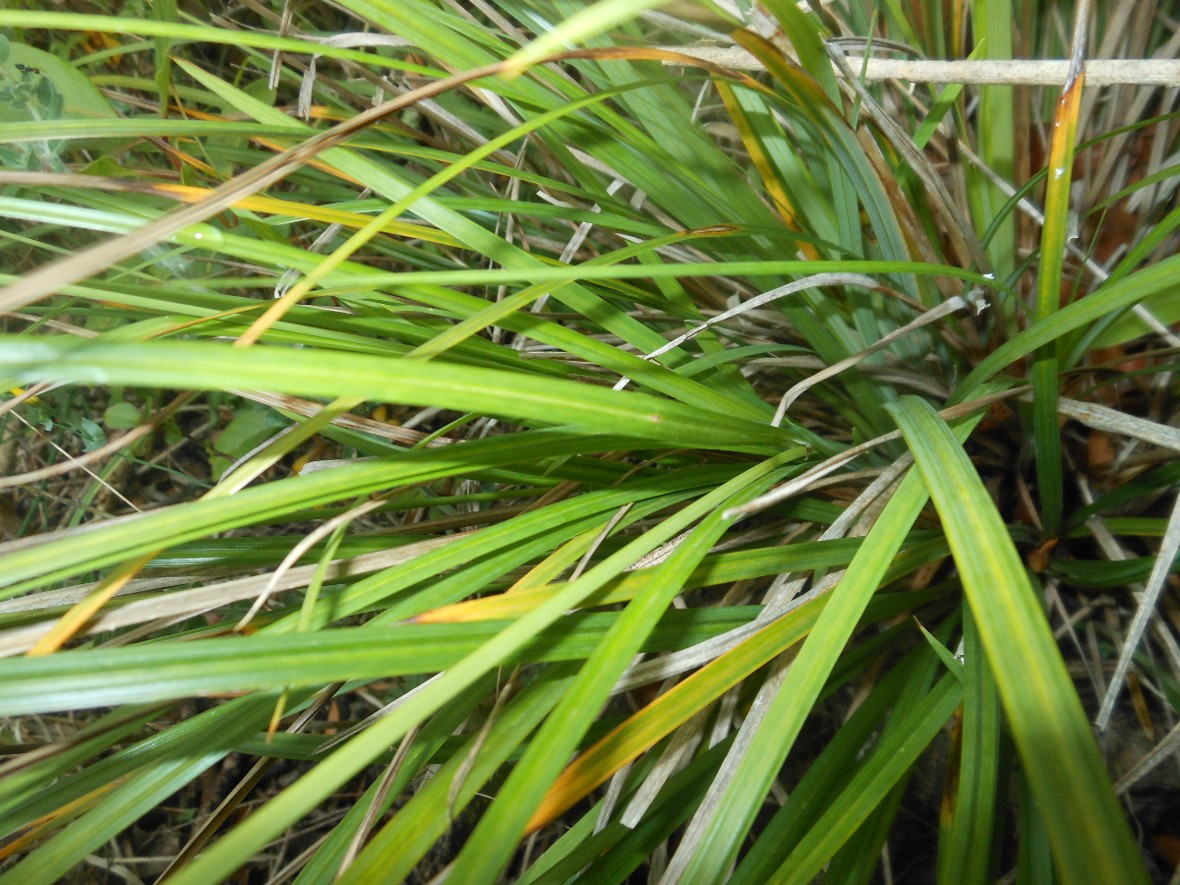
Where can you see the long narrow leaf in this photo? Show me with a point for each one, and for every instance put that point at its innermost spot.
(716, 838)
(1091, 841)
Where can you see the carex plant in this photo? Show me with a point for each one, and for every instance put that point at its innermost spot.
(531, 441)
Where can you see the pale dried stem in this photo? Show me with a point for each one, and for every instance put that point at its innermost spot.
(1004, 72)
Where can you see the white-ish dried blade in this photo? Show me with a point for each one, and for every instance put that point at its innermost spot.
(951, 305)
(805, 480)
(198, 600)
(1147, 606)
(1113, 421)
(1160, 753)
(782, 599)
(812, 282)
(676, 755)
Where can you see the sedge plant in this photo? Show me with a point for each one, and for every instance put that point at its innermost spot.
(506, 442)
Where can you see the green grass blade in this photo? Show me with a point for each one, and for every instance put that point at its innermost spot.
(61, 554)
(545, 401)
(1109, 300)
(1090, 837)
(1047, 438)
(176, 31)
(889, 762)
(992, 26)
(288, 806)
(150, 785)
(582, 25)
(105, 677)
(717, 837)
(490, 846)
(965, 848)
(395, 849)
(468, 268)
(829, 774)
(326, 866)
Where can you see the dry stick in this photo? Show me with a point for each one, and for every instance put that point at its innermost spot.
(674, 758)
(1007, 72)
(1025, 204)
(1120, 423)
(41, 435)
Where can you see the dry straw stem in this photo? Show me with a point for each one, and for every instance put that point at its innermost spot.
(1012, 72)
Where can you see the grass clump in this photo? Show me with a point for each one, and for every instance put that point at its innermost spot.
(434, 449)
